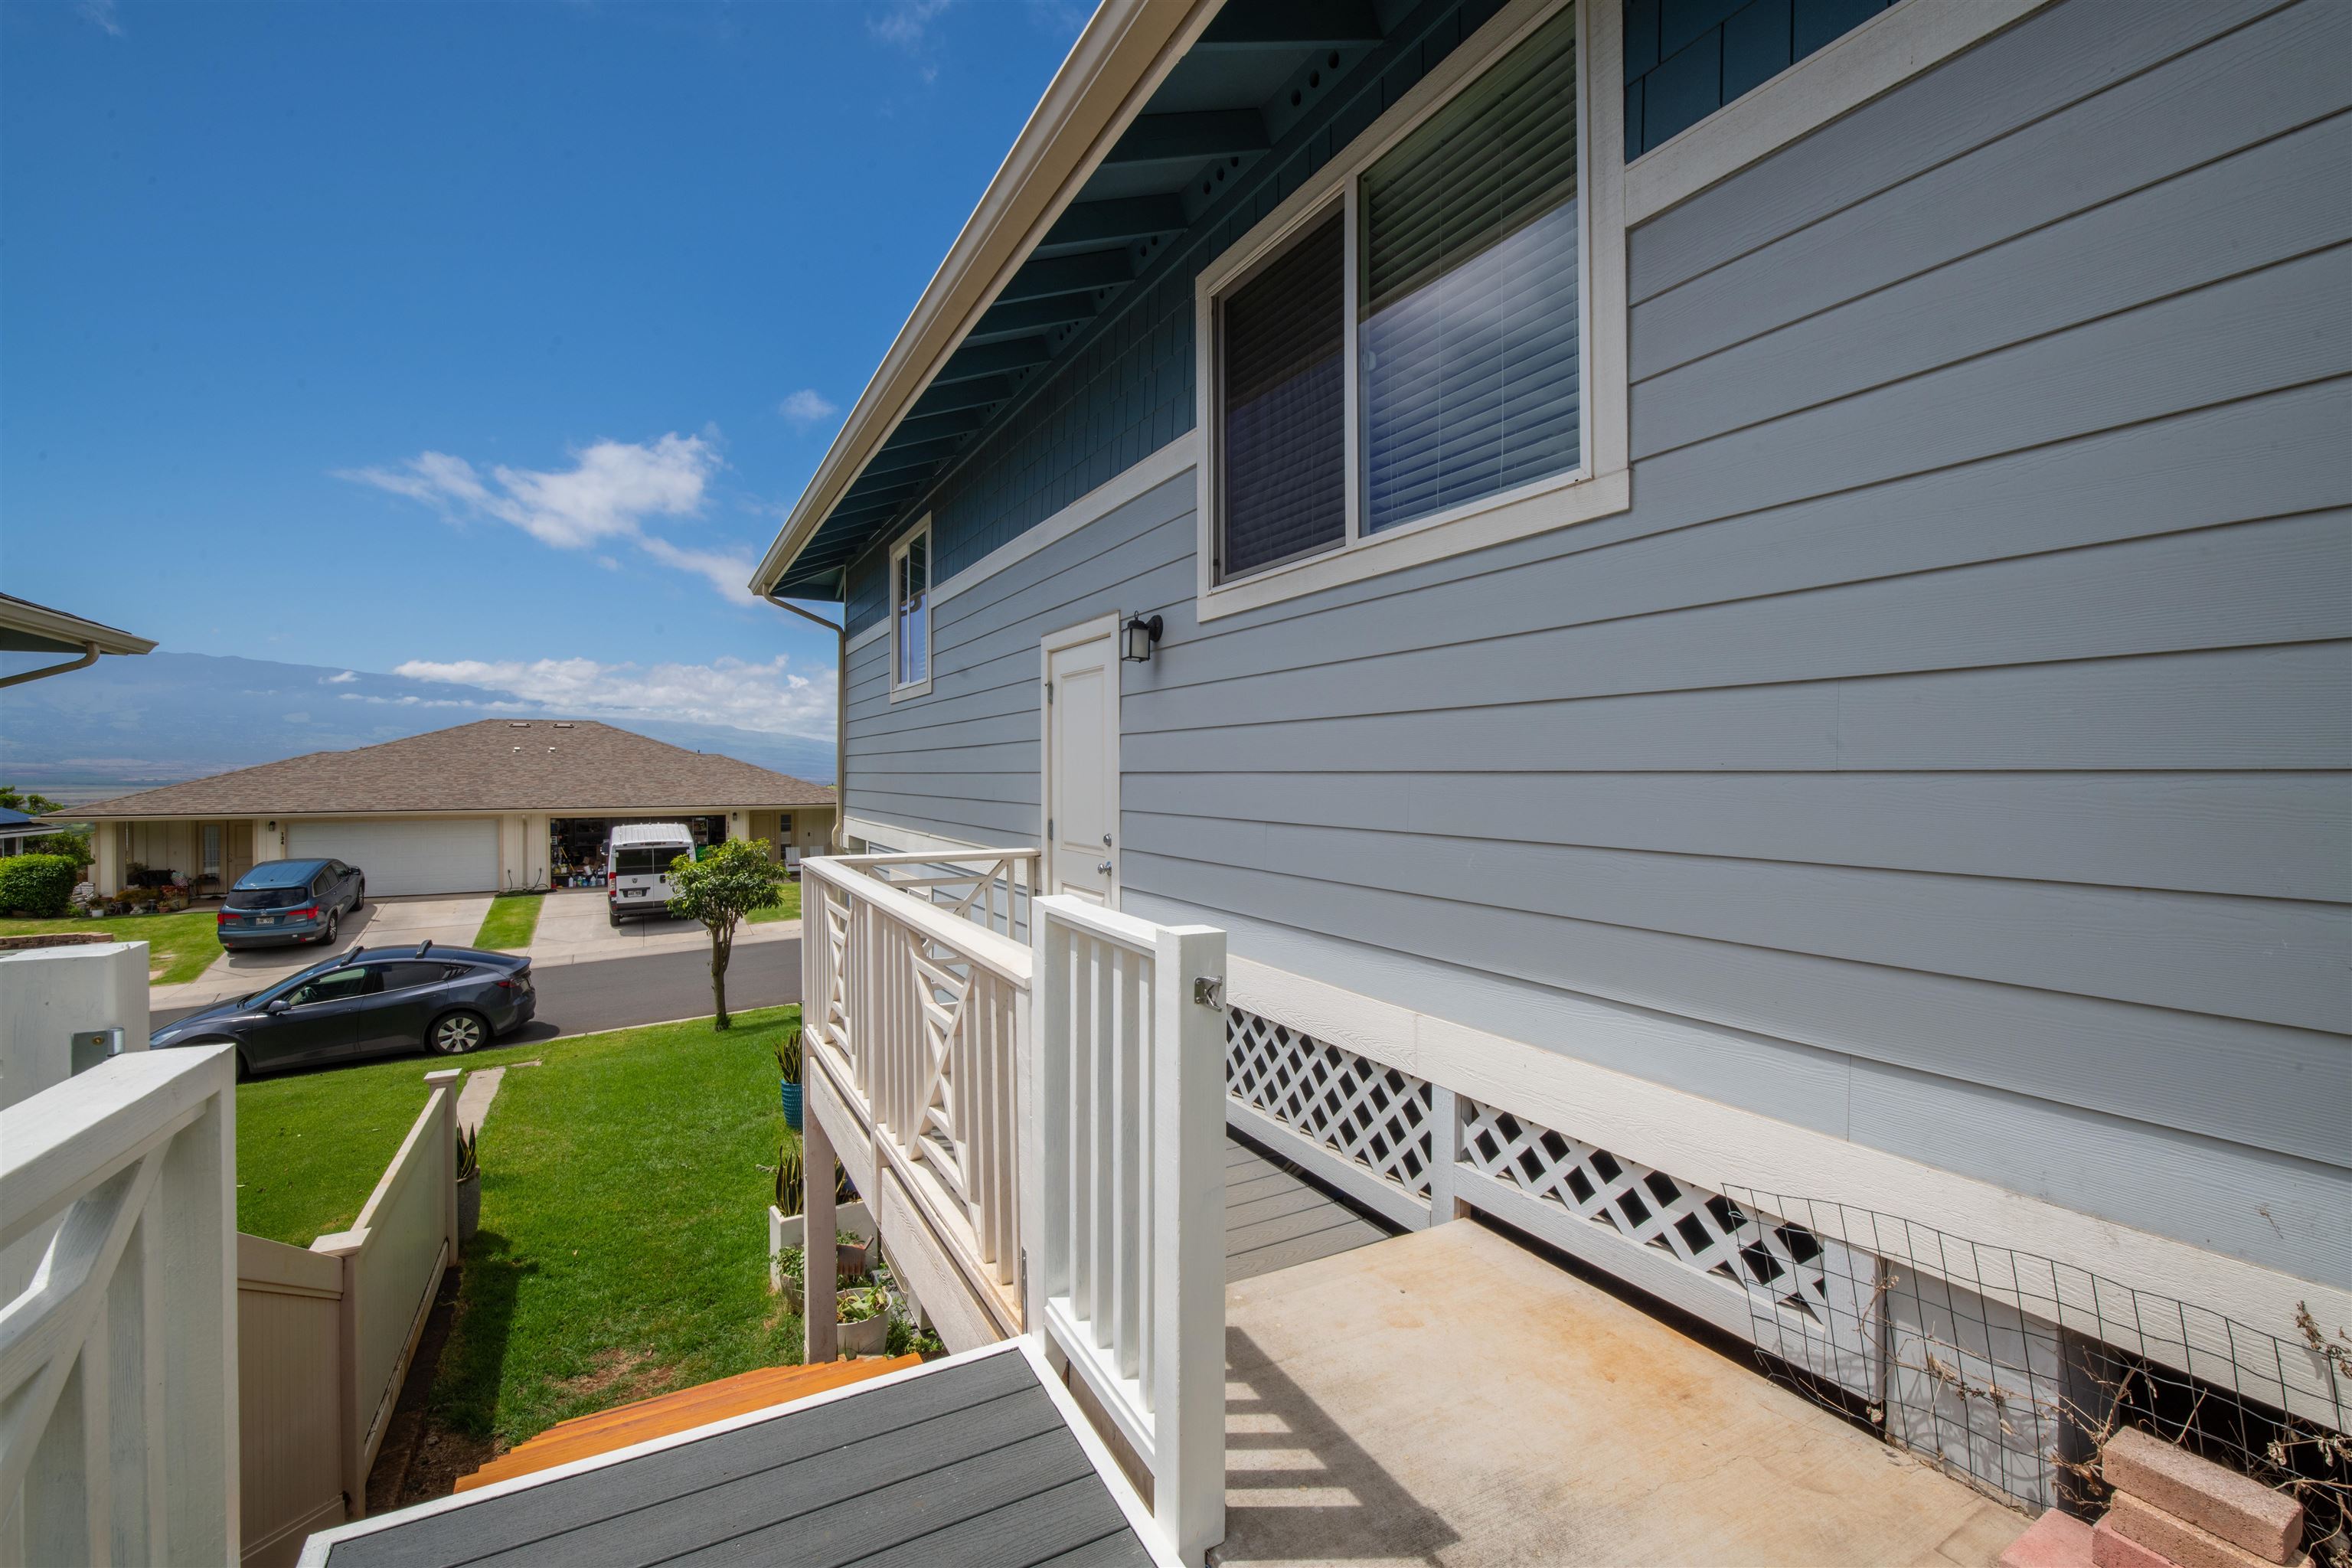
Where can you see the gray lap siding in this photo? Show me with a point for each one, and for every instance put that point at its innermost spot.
(1948, 751)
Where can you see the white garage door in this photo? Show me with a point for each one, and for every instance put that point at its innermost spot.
(459, 857)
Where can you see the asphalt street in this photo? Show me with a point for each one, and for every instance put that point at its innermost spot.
(618, 993)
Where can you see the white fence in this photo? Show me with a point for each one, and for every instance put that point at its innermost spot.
(391, 1260)
(1128, 1124)
(119, 1362)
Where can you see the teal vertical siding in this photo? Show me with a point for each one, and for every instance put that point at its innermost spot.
(1686, 59)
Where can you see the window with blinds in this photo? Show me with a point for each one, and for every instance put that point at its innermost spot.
(1467, 334)
(1283, 341)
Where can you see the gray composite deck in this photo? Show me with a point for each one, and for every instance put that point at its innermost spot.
(1275, 1219)
(964, 1464)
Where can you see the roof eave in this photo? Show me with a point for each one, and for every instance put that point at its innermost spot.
(71, 633)
(1119, 57)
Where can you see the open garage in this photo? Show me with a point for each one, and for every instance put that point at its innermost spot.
(478, 808)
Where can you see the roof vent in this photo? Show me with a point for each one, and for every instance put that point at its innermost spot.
(564, 724)
(518, 724)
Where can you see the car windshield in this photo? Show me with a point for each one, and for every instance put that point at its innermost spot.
(287, 985)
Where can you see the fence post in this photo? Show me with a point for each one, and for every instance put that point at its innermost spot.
(1444, 1149)
(1188, 1070)
(443, 1082)
(345, 1247)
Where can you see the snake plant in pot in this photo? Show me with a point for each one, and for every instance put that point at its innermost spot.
(469, 1184)
(788, 1069)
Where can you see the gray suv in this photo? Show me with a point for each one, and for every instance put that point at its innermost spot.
(290, 901)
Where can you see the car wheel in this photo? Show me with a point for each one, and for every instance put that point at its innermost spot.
(613, 916)
(359, 900)
(454, 1034)
(334, 924)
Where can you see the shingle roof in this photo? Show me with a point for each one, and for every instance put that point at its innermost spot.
(497, 765)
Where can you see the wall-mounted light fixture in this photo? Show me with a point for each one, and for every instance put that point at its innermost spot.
(1141, 635)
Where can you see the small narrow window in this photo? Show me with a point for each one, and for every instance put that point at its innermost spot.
(910, 610)
(1467, 328)
(1284, 374)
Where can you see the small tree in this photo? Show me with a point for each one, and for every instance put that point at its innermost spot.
(729, 881)
(28, 802)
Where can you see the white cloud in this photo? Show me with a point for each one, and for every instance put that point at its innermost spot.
(807, 406)
(100, 13)
(611, 492)
(344, 679)
(907, 23)
(768, 697)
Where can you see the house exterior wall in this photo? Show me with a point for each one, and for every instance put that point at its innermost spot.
(1946, 752)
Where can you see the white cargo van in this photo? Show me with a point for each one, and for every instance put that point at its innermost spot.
(636, 866)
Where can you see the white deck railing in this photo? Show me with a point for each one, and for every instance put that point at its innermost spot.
(1080, 1118)
(1129, 1130)
(119, 1362)
(915, 989)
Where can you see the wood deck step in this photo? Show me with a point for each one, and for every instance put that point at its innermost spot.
(585, 1436)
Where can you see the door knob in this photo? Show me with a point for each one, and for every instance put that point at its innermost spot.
(1104, 867)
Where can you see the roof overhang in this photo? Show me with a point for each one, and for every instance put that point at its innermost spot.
(1127, 48)
(28, 628)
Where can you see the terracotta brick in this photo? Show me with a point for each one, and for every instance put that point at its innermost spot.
(2176, 1539)
(2111, 1550)
(2214, 1498)
(2053, 1541)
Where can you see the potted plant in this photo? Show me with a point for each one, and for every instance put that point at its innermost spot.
(788, 1067)
(864, 1317)
(790, 1277)
(469, 1184)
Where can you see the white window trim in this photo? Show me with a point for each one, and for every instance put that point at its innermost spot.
(1602, 484)
(1899, 43)
(900, 691)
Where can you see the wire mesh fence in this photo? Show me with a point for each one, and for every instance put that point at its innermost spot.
(2009, 1371)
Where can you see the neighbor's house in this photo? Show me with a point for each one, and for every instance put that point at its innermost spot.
(20, 831)
(1755, 593)
(496, 803)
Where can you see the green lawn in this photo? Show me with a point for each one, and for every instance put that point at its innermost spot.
(624, 1244)
(178, 947)
(790, 909)
(509, 926)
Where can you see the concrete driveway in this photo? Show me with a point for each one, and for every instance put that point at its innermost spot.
(451, 918)
(573, 927)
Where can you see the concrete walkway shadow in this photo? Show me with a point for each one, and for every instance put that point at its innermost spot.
(1299, 1488)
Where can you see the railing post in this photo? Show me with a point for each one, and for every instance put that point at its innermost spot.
(1188, 1238)
(820, 1334)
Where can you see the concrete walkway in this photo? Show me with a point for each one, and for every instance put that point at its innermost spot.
(449, 920)
(573, 926)
(1450, 1397)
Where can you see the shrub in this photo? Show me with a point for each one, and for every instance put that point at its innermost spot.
(37, 885)
(74, 847)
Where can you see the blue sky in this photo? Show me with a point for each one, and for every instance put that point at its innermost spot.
(486, 341)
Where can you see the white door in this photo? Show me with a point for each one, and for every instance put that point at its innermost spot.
(1081, 761)
(453, 857)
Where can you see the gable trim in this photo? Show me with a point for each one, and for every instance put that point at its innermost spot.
(1889, 50)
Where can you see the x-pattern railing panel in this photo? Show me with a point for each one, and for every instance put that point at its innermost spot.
(1362, 1111)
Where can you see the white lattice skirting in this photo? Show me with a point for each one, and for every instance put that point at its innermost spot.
(1349, 1106)
(1412, 1150)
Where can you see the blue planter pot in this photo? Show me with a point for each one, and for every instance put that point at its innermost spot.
(792, 1092)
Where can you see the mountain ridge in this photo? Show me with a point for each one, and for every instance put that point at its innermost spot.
(129, 724)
